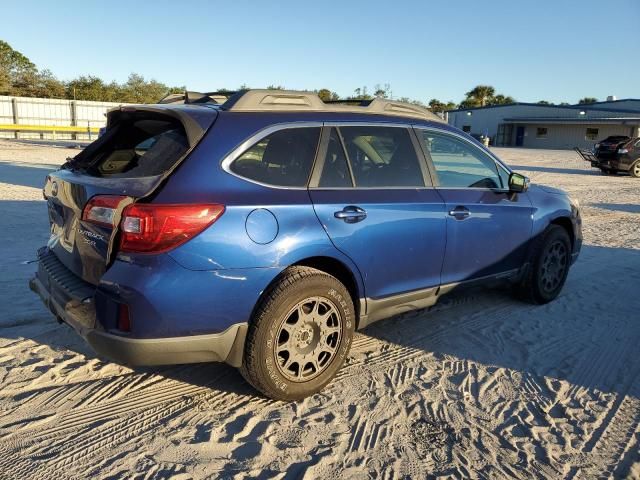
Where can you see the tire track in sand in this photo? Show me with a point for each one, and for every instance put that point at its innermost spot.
(80, 433)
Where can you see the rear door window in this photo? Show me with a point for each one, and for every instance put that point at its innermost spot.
(335, 170)
(382, 157)
(139, 146)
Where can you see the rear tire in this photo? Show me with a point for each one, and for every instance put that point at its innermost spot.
(634, 171)
(549, 264)
(607, 171)
(299, 336)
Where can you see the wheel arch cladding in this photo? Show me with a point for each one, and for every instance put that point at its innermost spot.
(339, 270)
(565, 222)
(333, 267)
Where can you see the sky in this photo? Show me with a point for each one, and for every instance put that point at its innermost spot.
(559, 50)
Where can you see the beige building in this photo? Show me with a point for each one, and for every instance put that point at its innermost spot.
(534, 125)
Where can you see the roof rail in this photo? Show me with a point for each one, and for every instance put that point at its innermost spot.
(197, 97)
(289, 100)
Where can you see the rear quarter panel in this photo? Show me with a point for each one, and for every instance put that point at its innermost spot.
(167, 300)
(226, 245)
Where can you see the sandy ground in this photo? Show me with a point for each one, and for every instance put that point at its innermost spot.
(480, 386)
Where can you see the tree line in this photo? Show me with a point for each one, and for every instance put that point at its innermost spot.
(21, 77)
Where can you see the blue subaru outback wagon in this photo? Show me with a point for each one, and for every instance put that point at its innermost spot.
(264, 230)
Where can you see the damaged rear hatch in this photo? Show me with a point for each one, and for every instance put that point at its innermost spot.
(140, 148)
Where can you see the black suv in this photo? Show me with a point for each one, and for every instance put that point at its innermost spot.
(626, 158)
(608, 147)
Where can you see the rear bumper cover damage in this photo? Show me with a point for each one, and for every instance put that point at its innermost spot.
(75, 306)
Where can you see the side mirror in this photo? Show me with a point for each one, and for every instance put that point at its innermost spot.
(518, 183)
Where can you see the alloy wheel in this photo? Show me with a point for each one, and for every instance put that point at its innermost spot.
(308, 339)
(554, 266)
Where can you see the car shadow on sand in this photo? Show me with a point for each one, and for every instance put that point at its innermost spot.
(570, 171)
(593, 321)
(618, 207)
(560, 340)
(25, 174)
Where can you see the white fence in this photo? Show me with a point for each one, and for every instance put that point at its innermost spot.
(48, 112)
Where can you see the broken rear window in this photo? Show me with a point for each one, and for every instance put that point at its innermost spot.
(137, 145)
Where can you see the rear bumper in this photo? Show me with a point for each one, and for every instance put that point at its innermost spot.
(217, 347)
(606, 154)
(79, 312)
(607, 163)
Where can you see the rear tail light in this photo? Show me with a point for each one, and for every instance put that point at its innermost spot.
(155, 228)
(102, 209)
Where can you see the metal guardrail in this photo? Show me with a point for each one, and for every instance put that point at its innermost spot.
(47, 128)
(44, 117)
(53, 129)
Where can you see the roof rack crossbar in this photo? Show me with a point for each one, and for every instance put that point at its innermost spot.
(363, 102)
(224, 93)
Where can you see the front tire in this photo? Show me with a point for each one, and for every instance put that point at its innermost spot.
(300, 334)
(549, 264)
(634, 171)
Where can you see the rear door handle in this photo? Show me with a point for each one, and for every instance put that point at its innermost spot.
(460, 212)
(351, 214)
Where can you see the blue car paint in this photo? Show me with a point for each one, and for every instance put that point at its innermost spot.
(550, 205)
(382, 247)
(402, 237)
(226, 244)
(491, 239)
(408, 241)
(168, 300)
(261, 226)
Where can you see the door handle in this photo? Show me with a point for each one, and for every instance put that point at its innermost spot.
(351, 214)
(460, 212)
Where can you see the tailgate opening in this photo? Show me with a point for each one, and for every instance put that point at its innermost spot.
(140, 148)
(136, 144)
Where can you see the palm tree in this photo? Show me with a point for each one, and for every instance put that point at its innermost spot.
(502, 100)
(481, 95)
